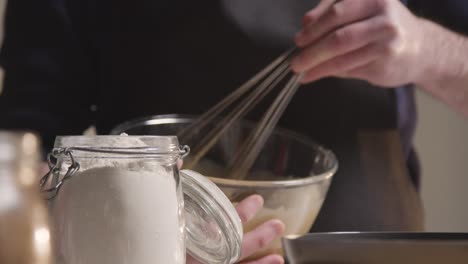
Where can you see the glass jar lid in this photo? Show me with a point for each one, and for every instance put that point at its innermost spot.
(213, 227)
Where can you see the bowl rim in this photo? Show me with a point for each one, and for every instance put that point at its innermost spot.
(290, 183)
(280, 184)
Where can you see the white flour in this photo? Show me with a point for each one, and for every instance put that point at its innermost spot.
(119, 212)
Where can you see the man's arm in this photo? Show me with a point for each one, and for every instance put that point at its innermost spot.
(445, 62)
(382, 42)
(47, 85)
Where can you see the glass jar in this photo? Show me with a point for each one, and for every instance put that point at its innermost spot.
(122, 199)
(24, 231)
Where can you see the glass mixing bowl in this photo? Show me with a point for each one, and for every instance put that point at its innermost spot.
(292, 173)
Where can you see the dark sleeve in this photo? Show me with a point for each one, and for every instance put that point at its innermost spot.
(48, 82)
(452, 14)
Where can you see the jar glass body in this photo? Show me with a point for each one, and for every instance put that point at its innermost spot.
(124, 204)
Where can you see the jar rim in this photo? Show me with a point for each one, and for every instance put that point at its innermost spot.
(120, 145)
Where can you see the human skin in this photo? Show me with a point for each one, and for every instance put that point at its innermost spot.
(382, 42)
(260, 237)
(257, 239)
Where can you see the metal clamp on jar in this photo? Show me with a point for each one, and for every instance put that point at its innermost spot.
(120, 199)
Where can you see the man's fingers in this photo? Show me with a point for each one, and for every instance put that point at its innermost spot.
(249, 207)
(342, 41)
(270, 259)
(343, 63)
(340, 14)
(261, 237)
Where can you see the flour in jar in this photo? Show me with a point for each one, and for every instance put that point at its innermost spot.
(119, 211)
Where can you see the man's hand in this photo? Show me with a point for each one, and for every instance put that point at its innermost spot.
(259, 238)
(375, 40)
(382, 42)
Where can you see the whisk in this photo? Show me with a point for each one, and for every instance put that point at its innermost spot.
(247, 97)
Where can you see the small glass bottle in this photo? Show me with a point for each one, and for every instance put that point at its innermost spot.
(24, 230)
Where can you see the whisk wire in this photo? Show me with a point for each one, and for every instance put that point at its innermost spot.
(206, 117)
(250, 94)
(254, 144)
(237, 113)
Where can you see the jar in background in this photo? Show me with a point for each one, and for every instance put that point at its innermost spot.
(24, 231)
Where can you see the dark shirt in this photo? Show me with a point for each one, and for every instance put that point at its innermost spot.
(74, 63)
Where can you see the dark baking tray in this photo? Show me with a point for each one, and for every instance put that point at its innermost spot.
(377, 248)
